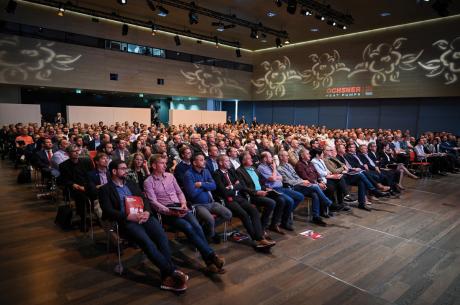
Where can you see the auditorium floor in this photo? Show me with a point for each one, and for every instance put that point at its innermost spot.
(406, 251)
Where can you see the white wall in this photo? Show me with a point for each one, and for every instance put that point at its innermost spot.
(19, 113)
(191, 117)
(109, 115)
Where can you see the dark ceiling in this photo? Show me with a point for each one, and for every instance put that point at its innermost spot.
(367, 15)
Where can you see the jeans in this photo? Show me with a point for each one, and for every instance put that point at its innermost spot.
(153, 241)
(316, 194)
(204, 212)
(191, 228)
(292, 199)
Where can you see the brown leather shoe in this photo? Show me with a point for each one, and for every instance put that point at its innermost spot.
(263, 243)
(276, 229)
(173, 284)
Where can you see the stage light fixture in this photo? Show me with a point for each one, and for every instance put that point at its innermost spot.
(154, 30)
(122, 2)
(162, 11)
(278, 42)
(177, 40)
(238, 52)
(11, 7)
(291, 6)
(124, 29)
(61, 10)
(193, 17)
(254, 34)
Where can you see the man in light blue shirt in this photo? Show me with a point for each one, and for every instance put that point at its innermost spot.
(272, 179)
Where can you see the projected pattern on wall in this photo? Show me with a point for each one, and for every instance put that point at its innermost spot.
(38, 63)
(211, 81)
(381, 64)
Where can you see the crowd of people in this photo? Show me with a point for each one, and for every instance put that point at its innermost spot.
(194, 178)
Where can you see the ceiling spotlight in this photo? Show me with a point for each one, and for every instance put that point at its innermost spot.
(305, 12)
(271, 14)
(238, 52)
(254, 34)
(334, 23)
(291, 6)
(11, 7)
(221, 28)
(278, 42)
(287, 41)
(344, 27)
(124, 29)
(154, 29)
(61, 10)
(216, 40)
(162, 11)
(177, 40)
(278, 3)
(193, 17)
(122, 2)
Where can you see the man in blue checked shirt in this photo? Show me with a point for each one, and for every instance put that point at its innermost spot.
(272, 179)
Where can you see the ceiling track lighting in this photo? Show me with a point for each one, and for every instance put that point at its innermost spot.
(122, 2)
(162, 12)
(61, 10)
(11, 7)
(125, 21)
(321, 11)
(222, 17)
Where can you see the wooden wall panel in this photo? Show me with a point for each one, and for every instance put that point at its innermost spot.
(28, 61)
(417, 60)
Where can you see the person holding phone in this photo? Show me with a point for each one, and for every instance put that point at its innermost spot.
(167, 198)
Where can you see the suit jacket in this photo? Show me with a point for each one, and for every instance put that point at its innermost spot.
(92, 144)
(244, 177)
(117, 152)
(354, 162)
(110, 201)
(94, 180)
(334, 165)
(366, 161)
(40, 159)
(209, 165)
(75, 173)
(221, 184)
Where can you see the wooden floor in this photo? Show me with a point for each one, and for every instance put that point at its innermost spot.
(407, 251)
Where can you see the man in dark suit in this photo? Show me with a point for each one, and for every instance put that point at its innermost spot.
(121, 152)
(229, 188)
(242, 120)
(254, 122)
(95, 142)
(42, 158)
(74, 177)
(140, 227)
(270, 202)
(99, 176)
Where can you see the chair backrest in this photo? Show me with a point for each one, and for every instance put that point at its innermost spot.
(411, 156)
(92, 154)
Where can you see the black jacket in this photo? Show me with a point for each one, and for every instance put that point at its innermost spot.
(221, 184)
(250, 188)
(110, 201)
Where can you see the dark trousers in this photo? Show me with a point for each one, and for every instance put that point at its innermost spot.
(191, 228)
(363, 185)
(80, 202)
(338, 187)
(153, 241)
(248, 214)
(268, 207)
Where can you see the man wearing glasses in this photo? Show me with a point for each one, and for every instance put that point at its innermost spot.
(140, 227)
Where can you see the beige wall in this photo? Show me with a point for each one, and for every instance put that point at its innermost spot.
(192, 117)
(110, 115)
(14, 113)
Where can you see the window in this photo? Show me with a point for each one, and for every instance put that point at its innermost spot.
(134, 48)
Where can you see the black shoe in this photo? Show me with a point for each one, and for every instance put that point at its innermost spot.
(364, 207)
(317, 220)
(216, 239)
(325, 215)
(378, 193)
(287, 227)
